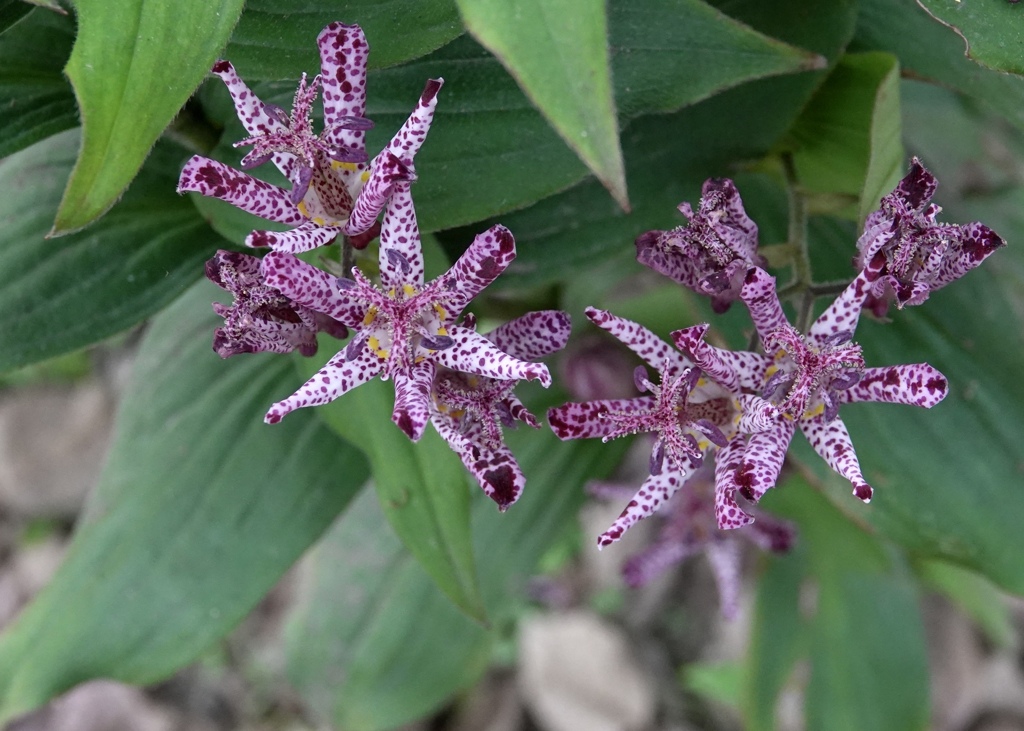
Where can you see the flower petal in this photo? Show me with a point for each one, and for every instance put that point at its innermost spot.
(343, 55)
(401, 253)
(473, 353)
(412, 399)
(216, 180)
(585, 420)
(728, 513)
(495, 470)
(334, 379)
(760, 297)
(647, 565)
(651, 495)
(734, 370)
(533, 335)
(387, 171)
(756, 414)
(975, 243)
(725, 559)
(843, 314)
(306, 237)
(487, 257)
(656, 352)
(832, 441)
(917, 385)
(762, 460)
(672, 264)
(406, 143)
(312, 287)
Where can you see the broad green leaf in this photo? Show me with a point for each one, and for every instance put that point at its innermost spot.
(993, 32)
(670, 53)
(82, 288)
(36, 99)
(558, 52)
(133, 66)
(423, 487)
(869, 666)
(276, 39)
(929, 52)
(199, 511)
(11, 11)
(976, 596)
(778, 637)
(720, 682)
(373, 643)
(847, 140)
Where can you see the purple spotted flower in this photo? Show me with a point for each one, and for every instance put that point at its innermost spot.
(808, 377)
(689, 527)
(712, 252)
(405, 329)
(261, 319)
(334, 190)
(469, 410)
(688, 413)
(907, 254)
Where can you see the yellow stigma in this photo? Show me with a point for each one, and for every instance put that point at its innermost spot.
(442, 331)
(374, 344)
(319, 221)
(409, 290)
(365, 176)
(815, 411)
(369, 317)
(441, 312)
(350, 166)
(302, 209)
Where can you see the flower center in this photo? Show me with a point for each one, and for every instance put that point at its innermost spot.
(470, 400)
(685, 429)
(810, 374)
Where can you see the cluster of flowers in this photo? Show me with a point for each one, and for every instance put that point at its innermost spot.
(721, 420)
(406, 330)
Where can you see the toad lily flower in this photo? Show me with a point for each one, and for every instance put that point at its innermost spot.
(907, 254)
(261, 319)
(333, 191)
(405, 329)
(469, 410)
(809, 377)
(689, 528)
(713, 251)
(688, 413)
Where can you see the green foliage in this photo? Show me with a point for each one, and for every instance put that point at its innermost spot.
(133, 65)
(992, 31)
(199, 511)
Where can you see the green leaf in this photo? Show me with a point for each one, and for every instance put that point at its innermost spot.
(558, 52)
(720, 682)
(133, 66)
(373, 643)
(992, 31)
(11, 11)
(423, 487)
(667, 54)
(276, 39)
(778, 638)
(869, 665)
(930, 52)
(199, 511)
(36, 99)
(848, 138)
(82, 288)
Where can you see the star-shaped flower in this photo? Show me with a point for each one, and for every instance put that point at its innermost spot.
(906, 254)
(712, 252)
(688, 413)
(689, 527)
(809, 377)
(405, 329)
(261, 319)
(469, 410)
(334, 191)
